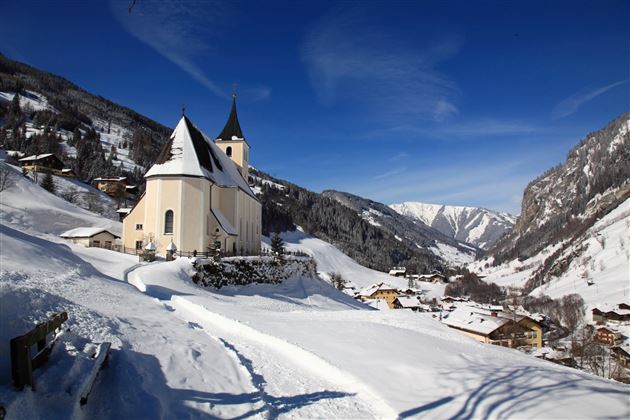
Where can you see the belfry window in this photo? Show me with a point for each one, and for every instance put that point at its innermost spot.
(168, 222)
(228, 151)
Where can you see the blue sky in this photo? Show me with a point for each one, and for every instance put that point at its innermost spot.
(451, 102)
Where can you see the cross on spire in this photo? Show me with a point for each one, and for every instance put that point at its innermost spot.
(183, 110)
(234, 85)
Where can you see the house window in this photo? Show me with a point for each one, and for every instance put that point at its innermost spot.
(228, 151)
(96, 244)
(138, 244)
(168, 222)
(139, 226)
(108, 244)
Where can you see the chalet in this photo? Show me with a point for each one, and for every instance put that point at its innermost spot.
(398, 272)
(92, 237)
(496, 328)
(606, 335)
(47, 162)
(556, 355)
(411, 302)
(380, 291)
(68, 173)
(621, 355)
(433, 278)
(114, 187)
(619, 314)
(197, 194)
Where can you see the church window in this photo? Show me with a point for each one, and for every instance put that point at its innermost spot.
(168, 222)
(228, 151)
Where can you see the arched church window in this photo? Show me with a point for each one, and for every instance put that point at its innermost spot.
(168, 222)
(228, 151)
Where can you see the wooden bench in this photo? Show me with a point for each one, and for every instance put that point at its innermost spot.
(22, 361)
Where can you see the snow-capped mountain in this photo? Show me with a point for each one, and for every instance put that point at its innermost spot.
(419, 234)
(474, 225)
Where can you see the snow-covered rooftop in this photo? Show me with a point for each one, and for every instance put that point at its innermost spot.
(190, 152)
(475, 319)
(85, 232)
(35, 157)
(369, 291)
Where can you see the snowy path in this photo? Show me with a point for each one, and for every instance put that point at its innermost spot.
(289, 380)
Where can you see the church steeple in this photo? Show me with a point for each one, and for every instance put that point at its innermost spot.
(233, 143)
(232, 129)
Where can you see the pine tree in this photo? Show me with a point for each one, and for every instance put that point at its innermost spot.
(48, 183)
(277, 247)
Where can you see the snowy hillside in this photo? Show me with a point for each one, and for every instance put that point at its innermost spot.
(474, 225)
(597, 264)
(330, 260)
(296, 350)
(111, 134)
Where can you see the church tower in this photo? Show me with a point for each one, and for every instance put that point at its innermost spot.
(233, 143)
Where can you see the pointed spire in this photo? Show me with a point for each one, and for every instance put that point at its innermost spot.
(232, 127)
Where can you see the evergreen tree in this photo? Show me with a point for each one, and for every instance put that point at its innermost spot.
(48, 183)
(277, 247)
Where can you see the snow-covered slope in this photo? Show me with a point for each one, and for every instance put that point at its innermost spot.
(296, 350)
(474, 225)
(330, 260)
(111, 134)
(597, 264)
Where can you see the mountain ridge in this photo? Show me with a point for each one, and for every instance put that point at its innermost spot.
(478, 226)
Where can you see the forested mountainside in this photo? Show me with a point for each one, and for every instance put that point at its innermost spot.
(44, 113)
(567, 200)
(286, 205)
(475, 225)
(415, 232)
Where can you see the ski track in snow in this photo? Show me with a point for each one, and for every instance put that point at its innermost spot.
(277, 368)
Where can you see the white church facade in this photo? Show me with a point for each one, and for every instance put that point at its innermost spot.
(197, 194)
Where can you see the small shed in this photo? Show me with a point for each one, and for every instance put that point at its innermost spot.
(91, 237)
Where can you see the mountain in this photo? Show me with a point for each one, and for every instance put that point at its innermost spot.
(567, 199)
(573, 234)
(474, 225)
(44, 113)
(417, 232)
(286, 206)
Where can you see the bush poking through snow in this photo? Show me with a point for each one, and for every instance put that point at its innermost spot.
(241, 271)
(337, 281)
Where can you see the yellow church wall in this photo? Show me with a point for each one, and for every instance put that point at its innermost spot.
(134, 218)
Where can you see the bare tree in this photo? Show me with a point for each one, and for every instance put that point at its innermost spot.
(7, 179)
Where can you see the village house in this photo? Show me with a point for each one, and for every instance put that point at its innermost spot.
(380, 291)
(506, 330)
(433, 278)
(116, 187)
(197, 195)
(619, 314)
(607, 335)
(412, 302)
(556, 355)
(621, 355)
(398, 272)
(92, 237)
(68, 173)
(46, 162)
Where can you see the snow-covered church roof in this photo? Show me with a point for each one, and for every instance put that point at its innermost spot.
(190, 152)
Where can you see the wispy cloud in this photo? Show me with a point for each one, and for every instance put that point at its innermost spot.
(464, 129)
(571, 104)
(182, 32)
(391, 173)
(349, 57)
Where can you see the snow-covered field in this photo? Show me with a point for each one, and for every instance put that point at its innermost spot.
(300, 349)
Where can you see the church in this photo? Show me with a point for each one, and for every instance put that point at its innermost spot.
(197, 194)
